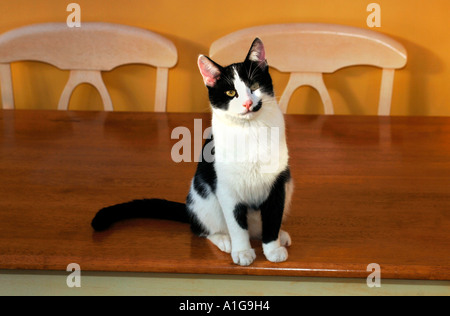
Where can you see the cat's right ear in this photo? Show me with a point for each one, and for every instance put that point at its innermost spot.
(210, 70)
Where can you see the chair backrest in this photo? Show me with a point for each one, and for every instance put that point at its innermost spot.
(307, 50)
(86, 51)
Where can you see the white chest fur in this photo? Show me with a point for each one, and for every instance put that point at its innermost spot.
(250, 154)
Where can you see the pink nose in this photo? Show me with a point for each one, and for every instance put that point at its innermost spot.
(248, 104)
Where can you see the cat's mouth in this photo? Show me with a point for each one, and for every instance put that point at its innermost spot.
(254, 109)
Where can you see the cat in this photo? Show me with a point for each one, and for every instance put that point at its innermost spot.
(231, 201)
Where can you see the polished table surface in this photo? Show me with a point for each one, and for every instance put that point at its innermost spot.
(368, 190)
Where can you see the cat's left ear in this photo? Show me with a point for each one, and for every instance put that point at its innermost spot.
(210, 70)
(257, 53)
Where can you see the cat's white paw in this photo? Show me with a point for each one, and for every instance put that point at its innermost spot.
(285, 239)
(277, 255)
(244, 257)
(222, 241)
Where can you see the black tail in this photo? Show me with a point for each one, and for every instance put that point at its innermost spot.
(147, 208)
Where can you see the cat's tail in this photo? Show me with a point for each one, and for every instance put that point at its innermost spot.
(146, 208)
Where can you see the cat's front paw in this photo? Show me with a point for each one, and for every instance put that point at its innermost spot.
(244, 257)
(222, 241)
(279, 254)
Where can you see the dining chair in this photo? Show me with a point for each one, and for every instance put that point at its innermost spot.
(308, 50)
(86, 51)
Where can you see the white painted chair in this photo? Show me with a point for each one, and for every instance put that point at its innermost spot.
(309, 50)
(86, 52)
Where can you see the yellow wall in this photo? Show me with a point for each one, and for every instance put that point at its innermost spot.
(422, 88)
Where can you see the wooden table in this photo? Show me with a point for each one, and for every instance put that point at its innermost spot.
(368, 190)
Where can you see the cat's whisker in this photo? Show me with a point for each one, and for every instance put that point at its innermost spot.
(249, 72)
(206, 108)
(277, 97)
(254, 70)
(229, 80)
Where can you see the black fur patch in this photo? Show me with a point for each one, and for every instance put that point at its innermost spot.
(205, 177)
(257, 107)
(196, 226)
(200, 187)
(205, 181)
(272, 209)
(240, 214)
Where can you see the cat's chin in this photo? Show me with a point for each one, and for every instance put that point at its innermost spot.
(236, 117)
(247, 116)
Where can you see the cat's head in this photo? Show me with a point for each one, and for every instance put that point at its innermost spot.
(239, 90)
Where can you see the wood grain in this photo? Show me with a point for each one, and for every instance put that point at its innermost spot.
(368, 190)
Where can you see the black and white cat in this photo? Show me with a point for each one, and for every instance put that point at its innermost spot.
(233, 200)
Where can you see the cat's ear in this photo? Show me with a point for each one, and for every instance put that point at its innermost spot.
(257, 53)
(210, 70)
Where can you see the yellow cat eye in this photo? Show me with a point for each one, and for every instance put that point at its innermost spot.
(231, 93)
(254, 86)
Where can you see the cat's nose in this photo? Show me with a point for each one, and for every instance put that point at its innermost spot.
(248, 104)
